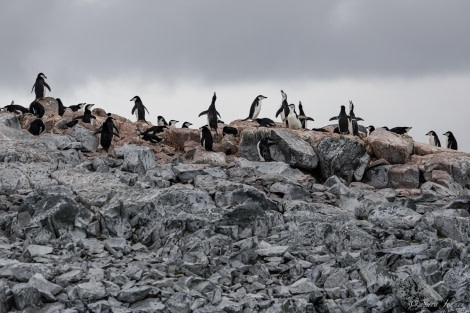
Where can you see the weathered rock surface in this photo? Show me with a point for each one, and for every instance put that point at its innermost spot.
(154, 228)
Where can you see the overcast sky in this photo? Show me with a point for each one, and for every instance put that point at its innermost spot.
(403, 63)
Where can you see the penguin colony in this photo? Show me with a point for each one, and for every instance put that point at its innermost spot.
(347, 123)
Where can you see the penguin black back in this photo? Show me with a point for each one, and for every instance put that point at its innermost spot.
(229, 130)
(40, 86)
(15, 108)
(139, 109)
(255, 108)
(451, 141)
(61, 107)
(206, 138)
(284, 109)
(343, 121)
(264, 152)
(37, 109)
(302, 117)
(107, 132)
(87, 115)
(212, 114)
(37, 127)
(265, 122)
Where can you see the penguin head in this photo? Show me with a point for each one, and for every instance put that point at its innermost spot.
(186, 124)
(135, 98)
(431, 133)
(261, 97)
(283, 94)
(173, 122)
(88, 106)
(448, 134)
(41, 75)
(343, 109)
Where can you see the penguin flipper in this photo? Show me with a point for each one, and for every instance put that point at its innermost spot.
(116, 135)
(146, 110)
(117, 130)
(133, 109)
(333, 118)
(202, 113)
(279, 111)
(358, 118)
(33, 87)
(45, 84)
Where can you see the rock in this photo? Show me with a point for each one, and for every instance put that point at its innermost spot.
(377, 176)
(25, 296)
(343, 157)
(10, 120)
(403, 176)
(201, 156)
(149, 305)
(392, 217)
(86, 137)
(395, 149)
(88, 291)
(272, 251)
(303, 286)
(36, 250)
(133, 294)
(137, 159)
(454, 227)
(414, 294)
(47, 289)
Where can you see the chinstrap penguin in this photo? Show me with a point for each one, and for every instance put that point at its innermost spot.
(37, 127)
(87, 115)
(229, 130)
(255, 108)
(186, 125)
(343, 121)
(433, 139)
(212, 114)
(353, 128)
(284, 109)
(60, 106)
(77, 107)
(40, 86)
(264, 153)
(15, 108)
(139, 109)
(451, 141)
(265, 122)
(302, 117)
(206, 138)
(292, 118)
(107, 132)
(37, 109)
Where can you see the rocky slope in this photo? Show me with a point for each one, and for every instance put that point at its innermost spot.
(335, 224)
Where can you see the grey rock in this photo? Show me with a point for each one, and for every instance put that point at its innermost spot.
(149, 305)
(393, 216)
(86, 137)
(377, 176)
(343, 157)
(403, 176)
(88, 291)
(133, 294)
(454, 227)
(47, 289)
(303, 286)
(25, 296)
(338, 278)
(37, 250)
(67, 278)
(413, 294)
(10, 120)
(137, 159)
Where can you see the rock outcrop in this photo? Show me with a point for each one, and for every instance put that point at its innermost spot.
(335, 224)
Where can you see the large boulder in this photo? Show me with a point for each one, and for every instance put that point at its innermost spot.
(394, 148)
(288, 148)
(456, 164)
(137, 159)
(86, 137)
(343, 157)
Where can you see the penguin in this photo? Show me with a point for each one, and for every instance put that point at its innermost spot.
(37, 109)
(172, 123)
(302, 117)
(186, 125)
(72, 123)
(139, 109)
(77, 107)
(284, 109)
(206, 138)
(155, 129)
(161, 121)
(212, 115)
(87, 115)
(228, 130)
(451, 141)
(107, 132)
(321, 130)
(61, 107)
(353, 128)
(255, 108)
(370, 129)
(398, 130)
(15, 108)
(343, 121)
(265, 122)
(150, 137)
(37, 127)
(40, 86)
(433, 139)
(292, 118)
(264, 153)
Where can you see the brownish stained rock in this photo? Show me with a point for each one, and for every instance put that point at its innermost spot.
(394, 148)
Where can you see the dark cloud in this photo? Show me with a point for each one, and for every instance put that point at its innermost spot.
(232, 42)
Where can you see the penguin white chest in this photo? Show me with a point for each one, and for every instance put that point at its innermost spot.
(257, 110)
(294, 122)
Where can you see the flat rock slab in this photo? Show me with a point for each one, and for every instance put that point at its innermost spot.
(272, 251)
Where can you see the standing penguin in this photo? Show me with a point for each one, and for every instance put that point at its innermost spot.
(139, 109)
(206, 138)
(255, 108)
(87, 116)
(37, 109)
(40, 86)
(107, 131)
(433, 139)
(451, 141)
(161, 121)
(61, 107)
(302, 117)
(37, 127)
(352, 122)
(264, 153)
(292, 118)
(284, 109)
(343, 121)
(212, 115)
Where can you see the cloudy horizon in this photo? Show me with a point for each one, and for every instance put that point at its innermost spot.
(402, 63)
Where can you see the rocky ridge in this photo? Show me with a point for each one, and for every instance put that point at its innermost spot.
(336, 224)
